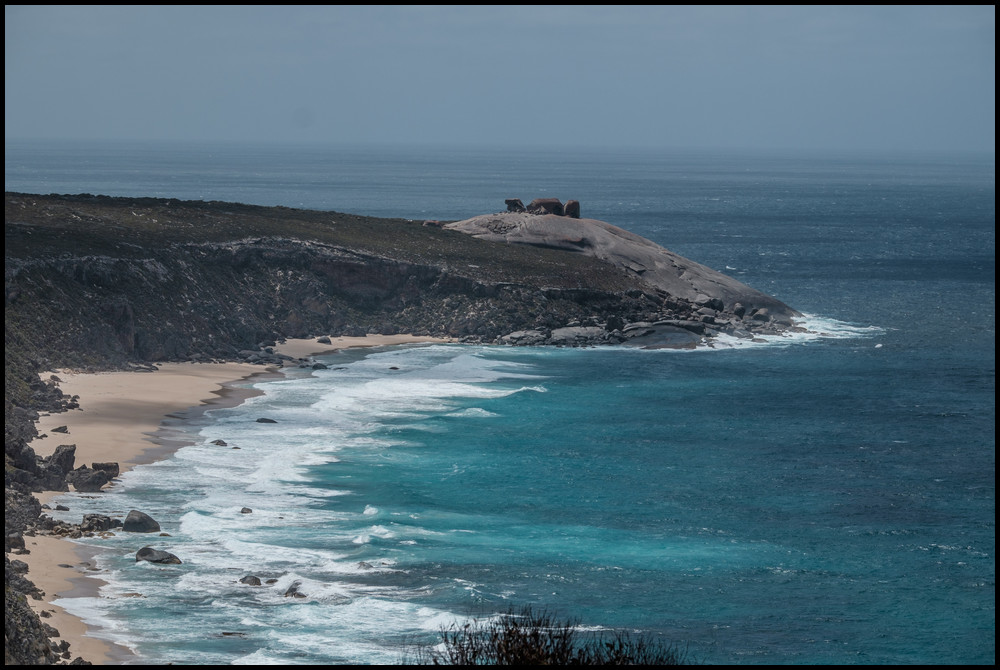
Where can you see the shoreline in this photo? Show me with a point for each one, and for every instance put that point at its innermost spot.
(130, 418)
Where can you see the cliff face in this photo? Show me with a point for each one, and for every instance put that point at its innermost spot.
(99, 282)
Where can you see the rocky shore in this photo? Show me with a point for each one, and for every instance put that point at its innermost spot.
(99, 283)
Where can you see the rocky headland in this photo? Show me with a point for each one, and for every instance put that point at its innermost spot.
(99, 283)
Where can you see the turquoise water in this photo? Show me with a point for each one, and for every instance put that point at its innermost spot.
(824, 499)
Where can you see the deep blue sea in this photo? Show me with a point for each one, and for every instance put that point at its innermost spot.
(813, 500)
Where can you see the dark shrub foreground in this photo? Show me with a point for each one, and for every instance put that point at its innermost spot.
(537, 638)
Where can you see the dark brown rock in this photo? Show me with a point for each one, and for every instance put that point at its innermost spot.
(156, 556)
(546, 206)
(572, 209)
(514, 205)
(111, 468)
(140, 522)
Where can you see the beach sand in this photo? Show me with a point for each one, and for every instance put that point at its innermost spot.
(125, 417)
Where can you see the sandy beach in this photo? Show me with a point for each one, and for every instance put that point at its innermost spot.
(125, 417)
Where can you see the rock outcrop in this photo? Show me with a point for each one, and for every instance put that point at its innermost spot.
(650, 265)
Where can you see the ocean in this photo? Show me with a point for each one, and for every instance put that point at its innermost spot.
(827, 498)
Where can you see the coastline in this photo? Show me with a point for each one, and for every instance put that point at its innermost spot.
(126, 417)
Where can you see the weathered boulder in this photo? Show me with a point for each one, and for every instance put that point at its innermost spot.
(246, 510)
(87, 480)
(156, 556)
(111, 468)
(572, 209)
(219, 443)
(62, 460)
(514, 205)
(140, 522)
(546, 206)
(250, 580)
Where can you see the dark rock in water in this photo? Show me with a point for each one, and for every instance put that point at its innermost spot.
(111, 468)
(293, 590)
(662, 336)
(572, 209)
(250, 580)
(246, 510)
(271, 581)
(140, 522)
(156, 556)
(61, 429)
(319, 366)
(324, 340)
(219, 443)
(546, 206)
(514, 205)
(62, 508)
(265, 420)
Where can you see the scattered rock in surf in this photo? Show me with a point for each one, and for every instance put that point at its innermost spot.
(156, 556)
(319, 366)
(271, 581)
(293, 590)
(266, 420)
(219, 443)
(62, 508)
(246, 510)
(139, 522)
(250, 580)
(98, 523)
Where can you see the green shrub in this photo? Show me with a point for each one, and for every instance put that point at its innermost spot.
(528, 637)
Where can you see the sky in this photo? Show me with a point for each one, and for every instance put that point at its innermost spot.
(908, 78)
